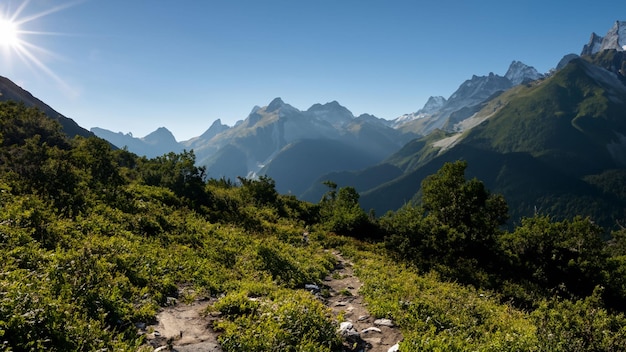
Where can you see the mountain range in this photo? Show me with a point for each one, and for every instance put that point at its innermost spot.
(555, 146)
(292, 146)
(278, 139)
(550, 142)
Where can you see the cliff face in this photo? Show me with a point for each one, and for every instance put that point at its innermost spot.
(615, 39)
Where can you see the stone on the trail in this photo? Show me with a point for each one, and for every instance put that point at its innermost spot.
(384, 322)
(363, 317)
(394, 348)
(371, 329)
(170, 301)
(312, 288)
(346, 325)
(348, 332)
(341, 304)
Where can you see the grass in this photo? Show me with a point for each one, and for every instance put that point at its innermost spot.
(435, 315)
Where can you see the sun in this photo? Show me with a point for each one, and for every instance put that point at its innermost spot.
(18, 42)
(9, 33)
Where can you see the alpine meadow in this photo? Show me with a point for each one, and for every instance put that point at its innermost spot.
(491, 220)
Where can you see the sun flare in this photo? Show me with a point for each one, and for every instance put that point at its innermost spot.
(9, 33)
(18, 43)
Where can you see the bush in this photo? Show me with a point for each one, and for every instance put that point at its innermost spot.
(286, 321)
(582, 325)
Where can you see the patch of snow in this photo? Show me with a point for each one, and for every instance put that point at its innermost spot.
(406, 118)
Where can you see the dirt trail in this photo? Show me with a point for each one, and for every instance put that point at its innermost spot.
(184, 327)
(344, 297)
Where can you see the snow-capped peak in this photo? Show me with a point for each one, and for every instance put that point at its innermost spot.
(432, 106)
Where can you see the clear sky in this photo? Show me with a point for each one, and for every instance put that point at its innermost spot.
(136, 65)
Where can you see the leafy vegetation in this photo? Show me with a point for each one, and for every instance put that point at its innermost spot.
(94, 240)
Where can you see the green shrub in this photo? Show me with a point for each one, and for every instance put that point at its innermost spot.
(285, 321)
(583, 325)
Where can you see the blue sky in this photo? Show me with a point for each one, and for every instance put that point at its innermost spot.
(136, 65)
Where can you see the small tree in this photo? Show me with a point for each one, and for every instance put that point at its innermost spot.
(340, 211)
(471, 215)
(179, 173)
(455, 228)
(261, 191)
(565, 257)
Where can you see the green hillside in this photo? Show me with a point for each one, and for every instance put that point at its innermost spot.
(95, 242)
(548, 146)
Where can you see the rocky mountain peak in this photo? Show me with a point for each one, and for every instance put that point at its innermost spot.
(332, 112)
(614, 39)
(281, 107)
(216, 128)
(433, 105)
(331, 106)
(477, 89)
(595, 42)
(519, 73)
(275, 104)
(161, 135)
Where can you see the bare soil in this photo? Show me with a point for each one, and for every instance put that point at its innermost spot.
(345, 298)
(186, 328)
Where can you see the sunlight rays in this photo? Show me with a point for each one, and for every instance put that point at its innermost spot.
(14, 46)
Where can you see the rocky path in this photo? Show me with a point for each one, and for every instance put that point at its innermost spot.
(359, 330)
(185, 328)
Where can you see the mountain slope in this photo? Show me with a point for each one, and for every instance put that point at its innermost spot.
(11, 91)
(470, 97)
(539, 145)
